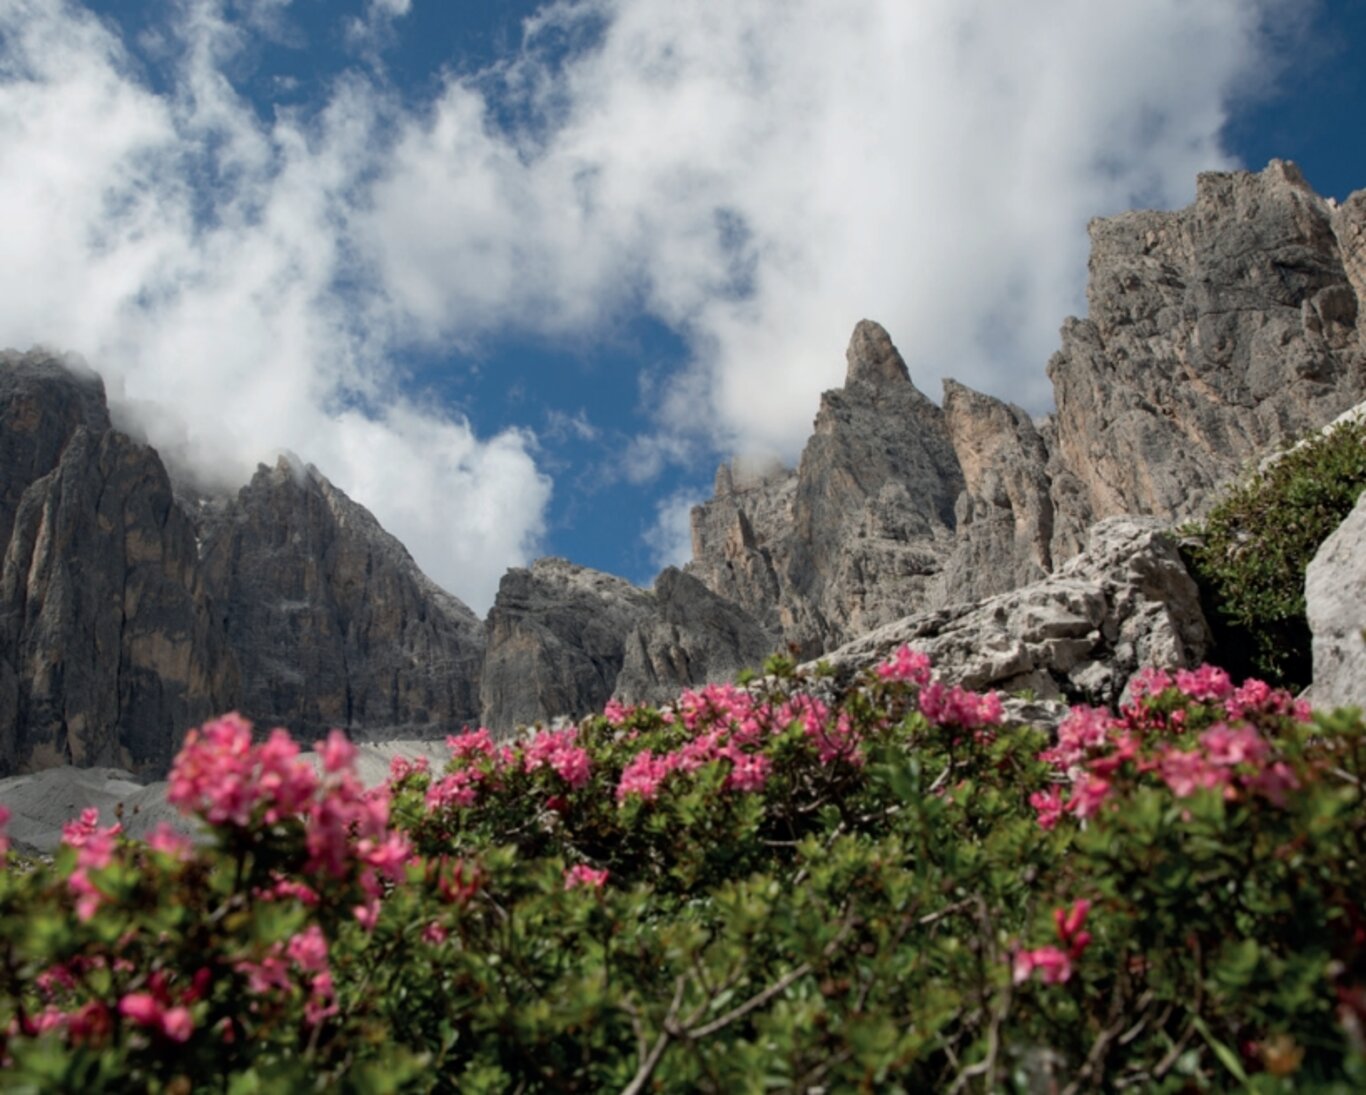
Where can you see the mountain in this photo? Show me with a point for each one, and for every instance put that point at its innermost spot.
(1027, 552)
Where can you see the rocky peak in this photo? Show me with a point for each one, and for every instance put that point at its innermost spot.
(872, 358)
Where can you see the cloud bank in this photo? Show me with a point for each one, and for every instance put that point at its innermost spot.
(758, 175)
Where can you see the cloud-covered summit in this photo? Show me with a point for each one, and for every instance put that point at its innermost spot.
(757, 175)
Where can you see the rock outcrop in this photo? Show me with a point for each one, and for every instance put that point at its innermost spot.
(691, 637)
(1214, 333)
(104, 623)
(556, 642)
(1079, 634)
(1335, 597)
(332, 622)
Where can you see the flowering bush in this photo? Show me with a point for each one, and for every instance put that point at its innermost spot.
(781, 885)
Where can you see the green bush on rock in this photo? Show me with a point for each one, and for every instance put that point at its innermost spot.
(773, 887)
(1250, 554)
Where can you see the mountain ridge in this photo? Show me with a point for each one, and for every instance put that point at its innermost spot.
(1214, 333)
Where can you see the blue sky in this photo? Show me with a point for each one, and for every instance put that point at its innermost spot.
(516, 276)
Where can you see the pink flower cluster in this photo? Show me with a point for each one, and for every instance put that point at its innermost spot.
(223, 777)
(910, 666)
(583, 875)
(4, 838)
(1054, 964)
(95, 849)
(1158, 733)
(304, 956)
(559, 749)
(958, 707)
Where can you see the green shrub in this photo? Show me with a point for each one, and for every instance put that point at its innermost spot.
(769, 888)
(1250, 554)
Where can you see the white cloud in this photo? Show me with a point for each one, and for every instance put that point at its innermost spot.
(759, 174)
(762, 175)
(191, 252)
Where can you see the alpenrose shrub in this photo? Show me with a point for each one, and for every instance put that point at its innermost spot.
(773, 886)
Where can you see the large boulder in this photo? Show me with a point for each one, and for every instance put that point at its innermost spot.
(1335, 598)
(1079, 634)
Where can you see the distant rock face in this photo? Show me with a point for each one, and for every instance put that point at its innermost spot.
(332, 622)
(556, 642)
(1079, 634)
(1214, 332)
(105, 634)
(691, 637)
(1335, 598)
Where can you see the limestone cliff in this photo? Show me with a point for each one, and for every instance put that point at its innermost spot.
(332, 622)
(106, 637)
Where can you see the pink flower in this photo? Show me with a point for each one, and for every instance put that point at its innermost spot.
(559, 750)
(434, 934)
(1187, 772)
(643, 775)
(308, 949)
(1149, 681)
(1053, 965)
(957, 706)
(1207, 683)
(748, 772)
(166, 841)
(367, 915)
(4, 838)
(471, 744)
(1088, 795)
(1228, 746)
(616, 713)
(583, 875)
(337, 752)
(1048, 806)
(1273, 782)
(459, 789)
(907, 665)
(402, 767)
(1083, 730)
(146, 1010)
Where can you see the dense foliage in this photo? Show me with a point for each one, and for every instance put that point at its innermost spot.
(777, 886)
(1250, 554)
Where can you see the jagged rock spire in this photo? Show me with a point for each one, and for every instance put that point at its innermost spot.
(873, 358)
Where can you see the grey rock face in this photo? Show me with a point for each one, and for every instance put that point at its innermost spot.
(556, 642)
(740, 541)
(873, 512)
(1214, 333)
(103, 619)
(1005, 513)
(860, 534)
(332, 622)
(1335, 597)
(692, 637)
(1079, 634)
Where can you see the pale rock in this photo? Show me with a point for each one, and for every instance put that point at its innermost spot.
(1079, 634)
(1335, 598)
